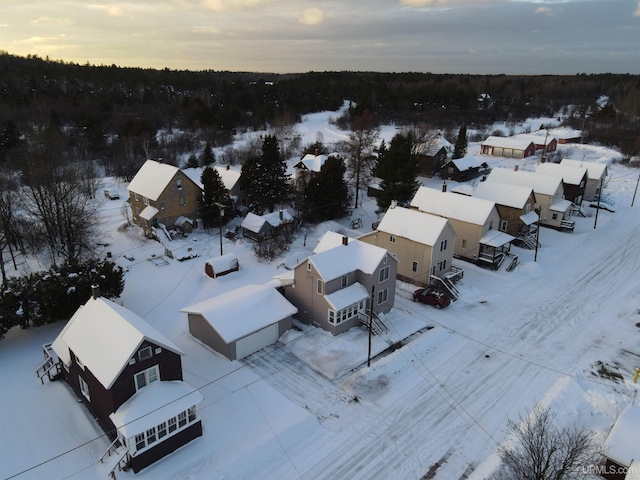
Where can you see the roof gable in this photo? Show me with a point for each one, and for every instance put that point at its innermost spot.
(453, 206)
(595, 170)
(514, 196)
(312, 162)
(570, 175)
(543, 184)
(509, 142)
(420, 227)
(152, 178)
(104, 336)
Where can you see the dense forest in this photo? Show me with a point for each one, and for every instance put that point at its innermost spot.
(114, 114)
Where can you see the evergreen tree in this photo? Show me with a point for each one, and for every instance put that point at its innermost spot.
(265, 178)
(192, 162)
(397, 167)
(327, 197)
(208, 157)
(460, 148)
(213, 194)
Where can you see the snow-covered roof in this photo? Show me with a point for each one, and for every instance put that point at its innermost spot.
(514, 196)
(560, 205)
(149, 212)
(104, 336)
(437, 144)
(544, 184)
(508, 142)
(414, 225)
(529, 218)
(229, 175)
(223, 262)
(312, 162)
(496, 238)
(347, 296)
(243, 311)
(463, 189)
(333, 259)
(561, 132)
(538, 138)
(570, 175)
(594, 169)
(254, 223)
(465, 163)
(622, 445)
(152, 178)
(452, 205)
(154, 404)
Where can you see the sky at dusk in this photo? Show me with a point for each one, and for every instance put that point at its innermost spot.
(282, 36)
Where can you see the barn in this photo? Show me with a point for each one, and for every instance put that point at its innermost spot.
(241, 322)
(222, 265)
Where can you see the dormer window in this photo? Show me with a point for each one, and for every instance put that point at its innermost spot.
(145, 353)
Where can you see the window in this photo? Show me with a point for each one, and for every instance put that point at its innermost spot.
(392, 238)
(172, 424)
(554, 216)
(137, 210)
(443, 245)
(182, 419)
(145, 353)
(162, 430)
(527, 208)
(192, 414)
(135, 195)
(345, 314)
(344, 281)
(503, 225)
(84, 388)
(383, 274)
(433, 270)
(145, 200)
(183, 202)
(382, 296)
(319, 286)
(79, 362)
(309, 266)
(162, 205)
(144, 378)
(151, 435)
(464, 243)
(140, 442)
(414, 266)
(179, 183)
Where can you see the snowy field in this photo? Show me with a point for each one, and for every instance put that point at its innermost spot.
(309, 408)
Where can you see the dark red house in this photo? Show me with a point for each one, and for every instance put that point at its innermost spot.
(129, 376)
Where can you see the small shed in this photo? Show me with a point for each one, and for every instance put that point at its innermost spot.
(242, 321)
(218, 266)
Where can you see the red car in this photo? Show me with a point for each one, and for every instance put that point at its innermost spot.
(431, 296)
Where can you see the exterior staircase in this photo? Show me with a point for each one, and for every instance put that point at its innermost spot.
(377, 325)
(50, 368)
(121, 458)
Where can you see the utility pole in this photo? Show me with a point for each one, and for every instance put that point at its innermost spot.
(535, 257)
(220, 215)
(635, 191)
(598, 207)
(370, 325)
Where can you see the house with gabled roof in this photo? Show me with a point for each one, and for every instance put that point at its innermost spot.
(621, 448)
(465, 168)
(508, 147)
(129, 376)
(242, 321)
(230, 178)
(554, 211)
(309, 166)
(544, 142)
(422, 243)
(574, 179)
(516, 206)
(474, 220)
(596, 173)
(433, 154)
(258, 227)
(161, 194)
(333, 288)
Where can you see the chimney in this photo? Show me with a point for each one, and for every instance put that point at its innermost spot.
(444, 187)
(159, 159)
(394, 204)
(281, 215)
(95, 291)
(345, 240)
(515, 169)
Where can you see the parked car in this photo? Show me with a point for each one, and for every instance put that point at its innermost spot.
(431, 296)
(111, 193)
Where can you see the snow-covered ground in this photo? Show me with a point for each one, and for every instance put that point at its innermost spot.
(309, 408)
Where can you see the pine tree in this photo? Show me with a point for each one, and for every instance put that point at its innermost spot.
(327, 197)
(265, 178)
(460, 148)
(213, 194)
(208, 157)
(397, 167)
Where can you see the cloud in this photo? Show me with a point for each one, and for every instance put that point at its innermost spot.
(205, 30)
(226, 5)
(44, 20)
(545, 11)
(637, 12)
(435, 3)
(311, 16)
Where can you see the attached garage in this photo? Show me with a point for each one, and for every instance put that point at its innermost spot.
(241, 322)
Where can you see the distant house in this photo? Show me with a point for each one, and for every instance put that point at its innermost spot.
(622, 448)
(258, 227)
(573, 178)
(161, 194)
(554, 210)
(241, 322)
(230, 178)
(129, 376)
(515, 205)
(422, 243)
(543, 141)
(508, 147)
(596, 173)
(563, 134)
(332, 287)
(464, 169)
(474, 220)
(434, 155)
(307, 168)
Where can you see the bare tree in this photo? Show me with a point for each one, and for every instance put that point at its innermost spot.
(544, 451)
(359, 149)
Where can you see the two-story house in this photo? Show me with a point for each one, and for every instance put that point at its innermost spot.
(574, 179)
(129, 376)
(161, 194)
(596, 173)
(306, 169)
(333, 287)
(422, 243)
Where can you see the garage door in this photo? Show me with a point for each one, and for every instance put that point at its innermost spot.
(256, 341)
